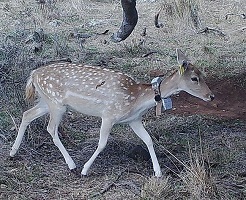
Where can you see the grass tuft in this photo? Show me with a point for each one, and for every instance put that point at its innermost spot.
(197, 179)
(157, 188)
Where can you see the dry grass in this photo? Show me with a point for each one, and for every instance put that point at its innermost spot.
(39, 171)
(197, 177)
(157, 188)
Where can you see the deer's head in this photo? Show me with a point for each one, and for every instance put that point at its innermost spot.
(191, 79)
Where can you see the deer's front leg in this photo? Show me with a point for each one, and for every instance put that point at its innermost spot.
(139, 129)
(104, 133)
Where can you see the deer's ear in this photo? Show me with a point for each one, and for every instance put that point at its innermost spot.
(181, 58)
(183, 67)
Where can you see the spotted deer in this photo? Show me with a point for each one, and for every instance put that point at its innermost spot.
(101, 92)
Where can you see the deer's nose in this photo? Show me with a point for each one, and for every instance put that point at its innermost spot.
(212, 97)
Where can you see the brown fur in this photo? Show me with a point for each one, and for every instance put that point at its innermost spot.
(30, 90)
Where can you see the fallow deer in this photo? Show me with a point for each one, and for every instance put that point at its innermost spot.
(101, 92)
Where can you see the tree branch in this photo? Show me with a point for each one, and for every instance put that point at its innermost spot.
(130, 18)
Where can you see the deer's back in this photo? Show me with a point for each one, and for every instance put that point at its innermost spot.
(90, 90)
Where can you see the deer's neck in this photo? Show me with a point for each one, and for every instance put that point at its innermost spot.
(145, 97)
(170, 85)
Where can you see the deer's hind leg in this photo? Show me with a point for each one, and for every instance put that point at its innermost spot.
(56, 112)
(28, 116)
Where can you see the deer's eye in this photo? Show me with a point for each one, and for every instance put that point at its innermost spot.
(194, 79)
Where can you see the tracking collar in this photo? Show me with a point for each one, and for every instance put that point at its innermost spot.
(162, 103)
(156, 82)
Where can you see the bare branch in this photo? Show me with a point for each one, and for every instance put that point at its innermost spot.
(130, 18)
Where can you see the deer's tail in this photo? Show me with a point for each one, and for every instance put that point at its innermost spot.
(30, 88)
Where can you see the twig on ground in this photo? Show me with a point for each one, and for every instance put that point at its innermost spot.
(103, 33)
(109, 186)
(113, 183)
(157, 25)
(147, 54)
(56, 61)
(240, 15)
(131, 187)
(2, 136)
(13, 120)
(207, 30)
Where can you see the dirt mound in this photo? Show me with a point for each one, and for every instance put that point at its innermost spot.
(230, 95)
